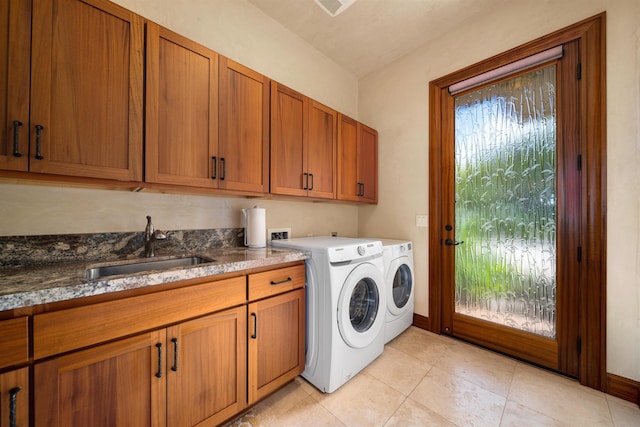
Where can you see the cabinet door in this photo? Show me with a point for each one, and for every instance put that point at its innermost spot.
(322, 151)
(288, 141)
(207, 369)
(15, 35)
(86, 89)
(117, 384)
(348, 185)
(276, 342)
(181, 110)
(368, 163)
(14, 398)
(243, 144)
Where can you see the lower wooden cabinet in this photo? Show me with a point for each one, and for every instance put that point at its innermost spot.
(14, 398)
(206, 376)
(191, 374)
(173, 364)
(122, 383)
(276, 342)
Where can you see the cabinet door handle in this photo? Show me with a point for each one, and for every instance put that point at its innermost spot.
(214, 166)
(159, 371)
(13, 394)
(39, 129)
(16, 138)
(255, 326)
(362, 191)
(174, 368)
(305, 178)
(280, 282)
(311, 186)
(223, 166)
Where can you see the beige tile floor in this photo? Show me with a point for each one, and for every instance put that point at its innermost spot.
(423, 379)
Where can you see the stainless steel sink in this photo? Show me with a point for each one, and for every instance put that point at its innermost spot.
(132, 267)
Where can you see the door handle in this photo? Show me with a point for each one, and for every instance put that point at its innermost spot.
(450, 242)
(16, 138)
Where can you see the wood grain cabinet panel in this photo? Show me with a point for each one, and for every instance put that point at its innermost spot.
(207, 373)
(243, 145)
(14, 398)
(181, 110)
(66, 330)
(357, 161)
(276, 329)
(289, 112)
(86, 90)
(117, 384)
(276, 342)
(303, 145)
(14, 342)
(15, 49)
(190, 374)
(274, 282)
(368, 163)
(321, 155)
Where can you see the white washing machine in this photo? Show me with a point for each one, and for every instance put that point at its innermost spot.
(346, 302)
(399, 281)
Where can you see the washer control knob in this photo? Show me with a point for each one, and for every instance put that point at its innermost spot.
(361, 250)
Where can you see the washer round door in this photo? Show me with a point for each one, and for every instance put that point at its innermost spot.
(361, 306)
(400, 278)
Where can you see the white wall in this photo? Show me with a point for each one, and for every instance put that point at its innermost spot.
(238, 30)
(36, 210)
(394, 100)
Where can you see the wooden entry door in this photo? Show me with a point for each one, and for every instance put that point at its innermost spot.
(577, 346)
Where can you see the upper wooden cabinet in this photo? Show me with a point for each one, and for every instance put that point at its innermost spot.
(181, 110)
(368, 163)
(357, 161)
(243, 148)
(15, 36)
(303, 145)
(86, 89)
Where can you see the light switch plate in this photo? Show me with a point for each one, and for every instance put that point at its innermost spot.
(421, 220)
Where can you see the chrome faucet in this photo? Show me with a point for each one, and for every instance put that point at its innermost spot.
(150, 237)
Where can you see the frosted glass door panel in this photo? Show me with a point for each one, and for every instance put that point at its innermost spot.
(505, 188)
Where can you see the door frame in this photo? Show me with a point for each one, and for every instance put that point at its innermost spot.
(592, 127)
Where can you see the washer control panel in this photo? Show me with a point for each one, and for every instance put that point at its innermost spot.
(355, 252)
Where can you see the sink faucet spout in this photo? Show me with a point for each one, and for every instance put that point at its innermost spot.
(150, 237)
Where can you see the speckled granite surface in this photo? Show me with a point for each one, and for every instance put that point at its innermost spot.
(26, 251)
(32, 284)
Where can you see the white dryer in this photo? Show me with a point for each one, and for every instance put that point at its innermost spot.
(399, 280)
(346, 302)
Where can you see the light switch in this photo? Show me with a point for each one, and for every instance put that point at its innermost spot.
(421, 220)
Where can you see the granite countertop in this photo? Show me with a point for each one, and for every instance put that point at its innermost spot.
(25, 287)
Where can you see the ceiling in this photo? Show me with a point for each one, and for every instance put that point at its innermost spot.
(372, 33)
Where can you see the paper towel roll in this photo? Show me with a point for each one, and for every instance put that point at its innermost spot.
(255, 233)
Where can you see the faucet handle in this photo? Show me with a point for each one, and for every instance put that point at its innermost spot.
(159, 235)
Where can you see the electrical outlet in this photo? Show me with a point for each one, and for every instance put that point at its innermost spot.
(421, 220)
(278, 233)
